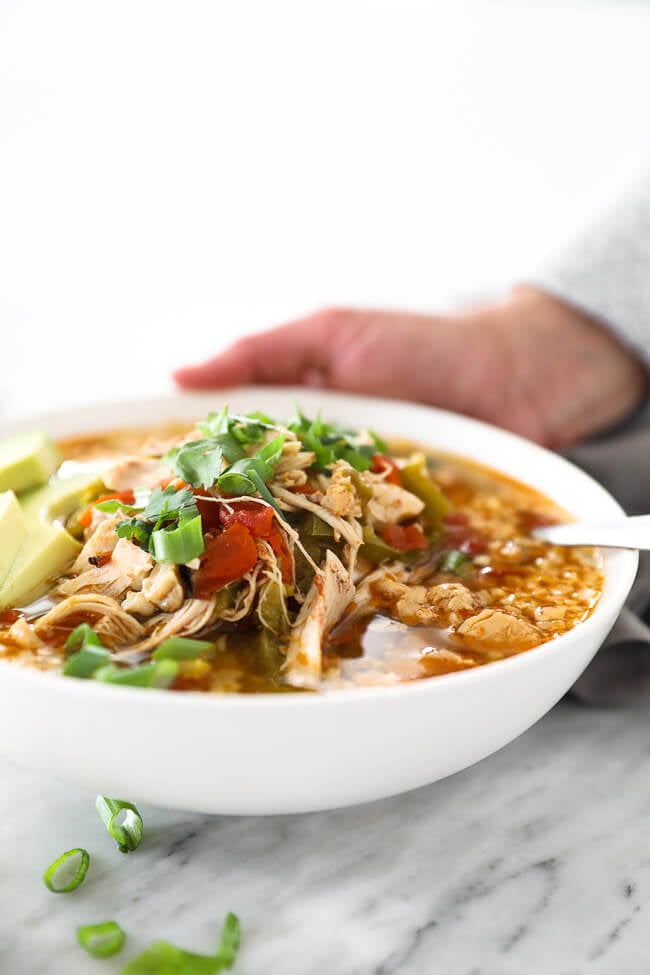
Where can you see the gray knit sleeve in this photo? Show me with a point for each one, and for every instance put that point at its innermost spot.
(606, 271)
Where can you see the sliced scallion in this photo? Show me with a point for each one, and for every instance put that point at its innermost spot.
(101, 940)
(90, 653)
(122, 820)
(230, 938)
(457, 562)
(81, 637)
(86, 662)
(63, 876)
(181, 648)
(179, 545)
(163, 958)
(160, 674)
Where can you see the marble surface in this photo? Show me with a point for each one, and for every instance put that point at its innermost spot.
(535, 860)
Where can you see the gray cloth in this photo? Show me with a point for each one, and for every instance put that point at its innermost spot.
(606, 269)
(607, 274)
(620, 673)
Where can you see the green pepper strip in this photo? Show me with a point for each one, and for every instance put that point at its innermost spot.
(416, 480)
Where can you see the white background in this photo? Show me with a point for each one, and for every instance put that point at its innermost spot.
(174, 174)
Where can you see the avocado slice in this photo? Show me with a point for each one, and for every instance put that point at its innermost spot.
(47, 547)
(13, 530)
(26, 460)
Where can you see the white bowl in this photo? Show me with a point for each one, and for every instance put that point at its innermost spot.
(263, 754)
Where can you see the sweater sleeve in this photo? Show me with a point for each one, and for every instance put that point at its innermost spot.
(606, 271)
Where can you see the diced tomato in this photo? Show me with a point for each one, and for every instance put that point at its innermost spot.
(474, 544)
(258, 518)
(405, 538)
(208, 509)
(8, 617)
(456, 518)
(86, 517)
(178, 483)
(228, 556)
(460, 534)
(381, 463)
(278, 544)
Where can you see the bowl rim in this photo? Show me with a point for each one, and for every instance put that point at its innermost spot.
(622, 581)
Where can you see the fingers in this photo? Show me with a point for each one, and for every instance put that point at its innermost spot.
(299, 352)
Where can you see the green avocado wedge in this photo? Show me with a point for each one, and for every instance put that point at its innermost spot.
(47, 548)
(13, 530)
(26, 460)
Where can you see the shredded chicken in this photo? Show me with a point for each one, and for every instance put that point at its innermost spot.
(340, 495)
(325, 602)
(22, 634)
(293, 478)
(193, 616)
(444, 605)
(134, 472)
(341, 528)
(493, 629)
(161, 590)
(390, 503)
(127, 568)
(118, 627)
(293, 458)
(102, 541)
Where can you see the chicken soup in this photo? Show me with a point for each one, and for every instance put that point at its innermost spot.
(248, 555)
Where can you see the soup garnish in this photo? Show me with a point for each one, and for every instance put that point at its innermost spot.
(247, 555)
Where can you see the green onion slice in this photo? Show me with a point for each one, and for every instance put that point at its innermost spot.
(122, 820)
(86, 662)
(181, 648)
(90, 652)
(179, 545)
(230, 939)
(160, 674)
(58, 877)
(457, 562)
(82, 636)
(101, 940)
(163, 958)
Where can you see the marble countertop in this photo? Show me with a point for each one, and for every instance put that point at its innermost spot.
(535, 860)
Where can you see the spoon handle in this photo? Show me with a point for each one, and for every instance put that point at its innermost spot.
(633, 533)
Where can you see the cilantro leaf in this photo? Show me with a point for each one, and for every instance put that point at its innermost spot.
(330, 442)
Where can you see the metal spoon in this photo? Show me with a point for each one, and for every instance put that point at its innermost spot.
(633, 533)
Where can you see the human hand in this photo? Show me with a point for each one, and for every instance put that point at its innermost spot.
(530, 363)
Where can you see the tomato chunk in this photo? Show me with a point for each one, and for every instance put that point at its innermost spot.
(128, 497)
(258, 518)
(381, 463)
(405, 538)
(228, 556)
(278, 544)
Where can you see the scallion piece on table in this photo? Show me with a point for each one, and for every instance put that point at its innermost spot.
(181, 648)
(163, 958)
(160, 674)
(67, 872)
(101, 940)
(230, 938)
(122, 820)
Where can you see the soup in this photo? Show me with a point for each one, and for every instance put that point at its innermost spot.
(245, 555)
